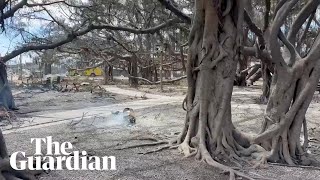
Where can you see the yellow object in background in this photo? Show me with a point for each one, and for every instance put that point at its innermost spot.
(97, 71)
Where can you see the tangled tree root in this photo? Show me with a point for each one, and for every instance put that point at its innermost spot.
(201, 154)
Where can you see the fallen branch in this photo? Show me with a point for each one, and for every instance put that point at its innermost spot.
(142, 145)
(157, 149)
(158, 82)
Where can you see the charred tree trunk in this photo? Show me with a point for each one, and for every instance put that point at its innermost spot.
(182, 59)
(148, 70)
(106, 73)
(47, 68)
(155, 74)
(111, 72)
(294, 83)
(133, 71)
(241, 76)
(6, 98)
(214, 44)
(266, 86)
(285, 112)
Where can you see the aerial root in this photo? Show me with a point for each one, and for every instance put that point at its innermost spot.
(184, 148)
(232, 172)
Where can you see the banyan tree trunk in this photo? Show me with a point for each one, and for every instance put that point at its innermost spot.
(211, 68)
(294, 83)
(285, 113)
(6, 98)
(240, 79)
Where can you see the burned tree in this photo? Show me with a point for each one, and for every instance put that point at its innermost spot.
(6, 98)
(295, 82)
(214, 41)
(214, 48)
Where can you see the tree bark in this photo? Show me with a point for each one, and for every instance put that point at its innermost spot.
(241, 77)
(254, 77)
(47, 68)
(6, 97)
(214, 43)
(106, 73)
(266, 86)
(285, 113)
(161, 70)
(133, 71)
(294, 82)
(111, 72)
(182, 59)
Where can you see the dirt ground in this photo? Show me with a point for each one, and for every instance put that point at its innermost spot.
(90, 124)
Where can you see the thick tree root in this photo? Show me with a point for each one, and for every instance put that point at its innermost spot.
(206, 157)
(161, 148)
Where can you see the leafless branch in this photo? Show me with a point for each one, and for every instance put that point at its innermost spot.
(168, 4)
(71, 36)
(305, 12)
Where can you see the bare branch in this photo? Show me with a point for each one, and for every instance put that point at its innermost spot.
(306, 11)
(158, 82)
(267, 15)
(168, 4)
(138, 31)
(314, 54)
(55, 20)
(306, 30)
(71, 36)
(14, 9)
(277, 23)
(255, 29)
(57, 2)
(290, 47)
(316, 21)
